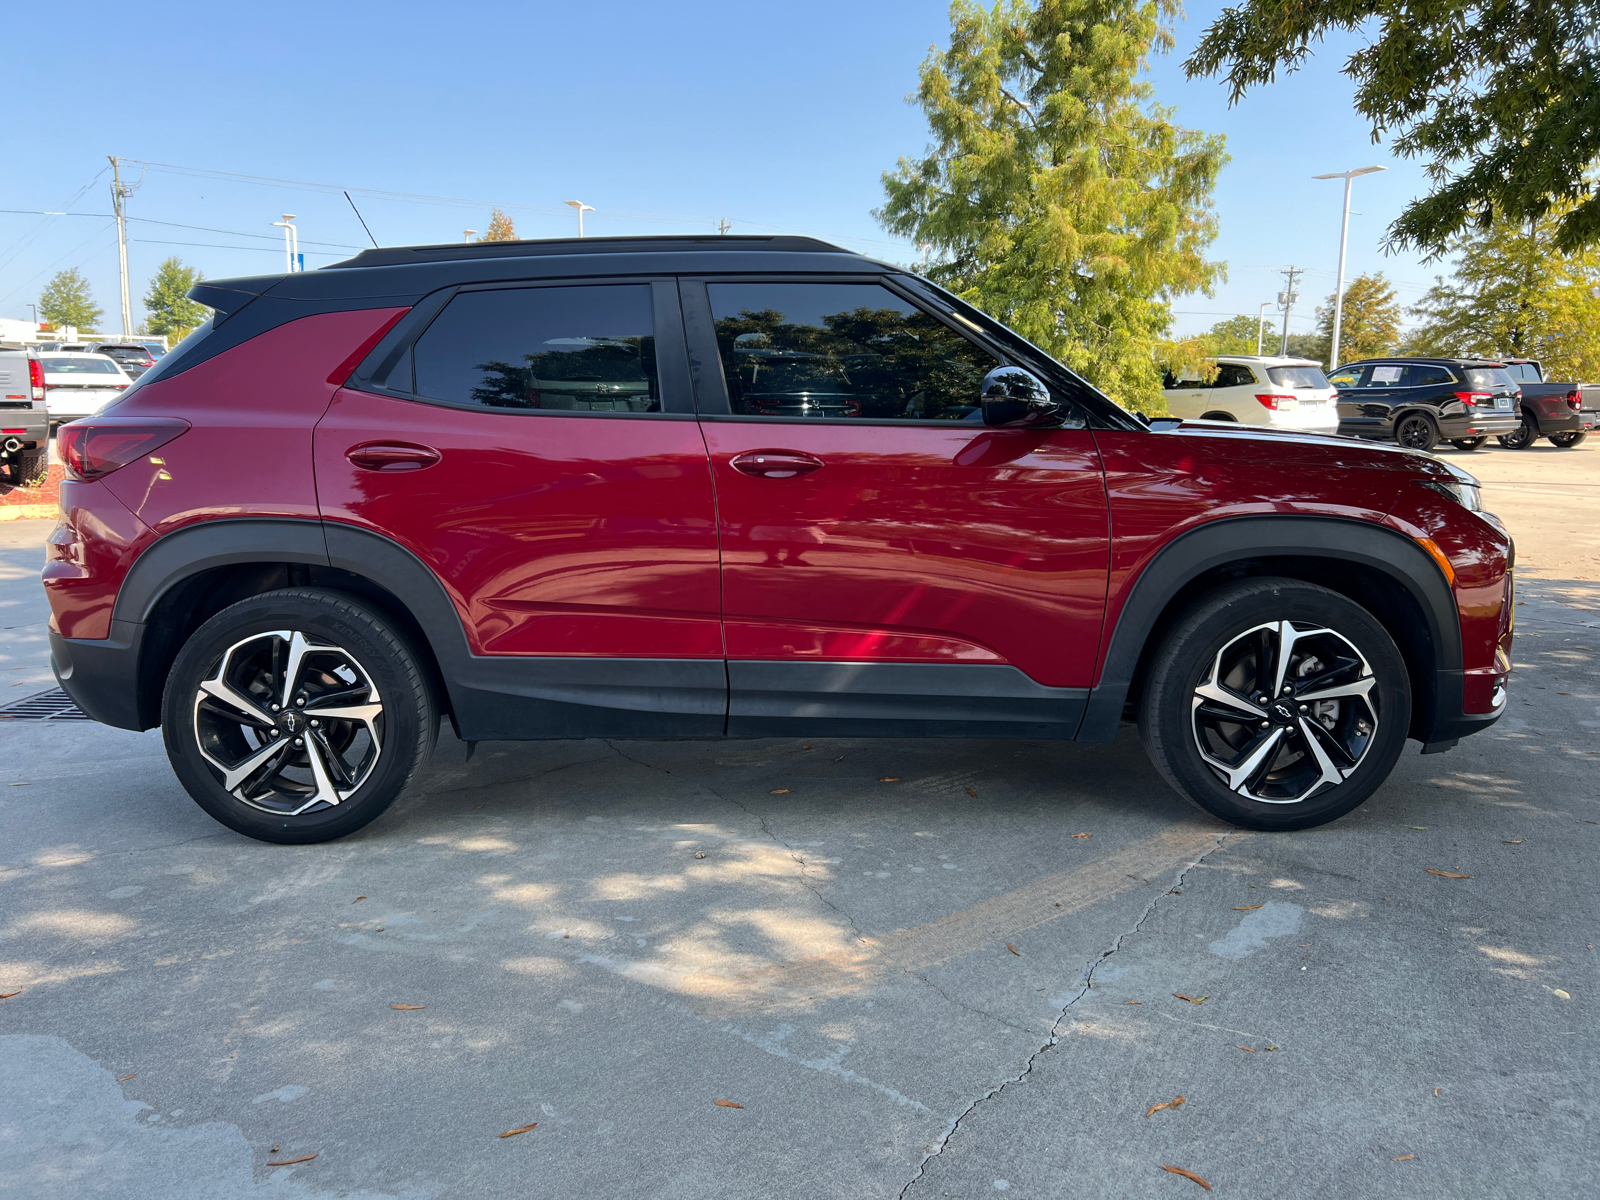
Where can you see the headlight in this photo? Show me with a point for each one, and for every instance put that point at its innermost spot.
(1468, 495)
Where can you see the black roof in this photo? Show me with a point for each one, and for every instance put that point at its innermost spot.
(1422, 358)
(394, 256)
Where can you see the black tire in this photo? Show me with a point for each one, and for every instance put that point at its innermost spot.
(362, 761)
(1416, 431)
(29, 468)
(1567, 441)
(1468, 444)
(1525, 435)
(1213, 631)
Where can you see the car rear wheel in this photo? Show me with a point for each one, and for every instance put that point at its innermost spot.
(296, 716)
(1416, 431)
(1220, 416)
(1468, 444)
(1525, 435)
(1276, 705)
(30, 468)
(1568, 440)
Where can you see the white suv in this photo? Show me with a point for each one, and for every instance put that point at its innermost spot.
(79, 385)
(1285, 393)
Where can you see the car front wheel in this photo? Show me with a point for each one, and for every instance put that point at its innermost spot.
(1276, 705)
(296, 716)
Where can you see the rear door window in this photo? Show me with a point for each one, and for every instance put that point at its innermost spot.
(1423, 374)
(1385, 375)
(842, 350)
(544, 349)
(1234, 375)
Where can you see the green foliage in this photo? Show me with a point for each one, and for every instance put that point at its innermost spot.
(1514, 293)
(1500, 97)
(1369, 324)
(66, 301)
(500, 228)
(171, 311)
(1237, 335)
(1059, 198)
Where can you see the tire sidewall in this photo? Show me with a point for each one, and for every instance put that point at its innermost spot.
(326, 617)
(1185, 658)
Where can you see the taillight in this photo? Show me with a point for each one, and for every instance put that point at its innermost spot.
(1575, 400)
(1470, 399)
(1272, 401)
(36, 378)
(95, 447)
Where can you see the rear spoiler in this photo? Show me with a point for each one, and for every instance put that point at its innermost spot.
(227, 296)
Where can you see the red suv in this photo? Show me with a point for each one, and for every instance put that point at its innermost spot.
(732, 487)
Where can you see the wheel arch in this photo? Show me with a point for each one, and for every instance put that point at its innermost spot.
(192, 574)
(1383, 571)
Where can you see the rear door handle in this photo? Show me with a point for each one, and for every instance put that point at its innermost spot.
(775, 464)
(392, 456)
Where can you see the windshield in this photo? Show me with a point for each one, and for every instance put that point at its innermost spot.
(1297, 377)
(80, 366)
(1490, 377)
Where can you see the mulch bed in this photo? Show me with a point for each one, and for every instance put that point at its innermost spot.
(47, 496)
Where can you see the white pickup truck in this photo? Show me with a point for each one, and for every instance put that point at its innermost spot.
(24, 421)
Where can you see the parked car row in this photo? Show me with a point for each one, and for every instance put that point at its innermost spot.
(1416, 402)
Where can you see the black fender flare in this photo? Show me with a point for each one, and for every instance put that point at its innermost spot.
(1235, 539)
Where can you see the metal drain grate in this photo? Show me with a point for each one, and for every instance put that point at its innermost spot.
(54, 705)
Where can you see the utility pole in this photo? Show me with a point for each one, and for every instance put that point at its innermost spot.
(1261, 326)
(119, 194)
(1344, 236)
(723, 226)
(1286, 299)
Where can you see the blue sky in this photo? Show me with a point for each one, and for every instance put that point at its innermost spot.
(666, 118)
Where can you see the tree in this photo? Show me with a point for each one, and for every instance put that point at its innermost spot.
(1500, 97)
(66, 301)
(500, 228)
(1369, 323)
(1513, 293)
(171, 311)
(1059, 197)
(1237, 335)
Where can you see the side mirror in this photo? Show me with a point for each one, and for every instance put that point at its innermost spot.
(1016, 398)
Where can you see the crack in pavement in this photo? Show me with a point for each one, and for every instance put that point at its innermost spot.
(632, 759)
(1055, 1028)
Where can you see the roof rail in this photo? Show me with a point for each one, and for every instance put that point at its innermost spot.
(391, 256)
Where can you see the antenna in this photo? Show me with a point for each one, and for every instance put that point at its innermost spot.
(362, 219)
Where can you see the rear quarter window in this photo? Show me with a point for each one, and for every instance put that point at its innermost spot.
(1421, 374)
(1297, 377)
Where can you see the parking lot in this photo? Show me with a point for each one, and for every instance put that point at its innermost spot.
(839, 968)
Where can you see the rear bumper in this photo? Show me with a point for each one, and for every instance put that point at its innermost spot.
(1481, 425)
(102, 674)
(30, 426)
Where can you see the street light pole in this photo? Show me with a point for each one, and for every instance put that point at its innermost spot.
(469, 234)
(291, 241)
(1344, 237)
(1261, 325)
(581, 208)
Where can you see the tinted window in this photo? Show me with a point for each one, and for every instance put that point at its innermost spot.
(1420, 374)
(1385, 375)
(572, 349)
(1524, 372)
(80, 366)
(127, 356)
(841, 350)
(1297, 377)
(1234, 375)
(1490, 377)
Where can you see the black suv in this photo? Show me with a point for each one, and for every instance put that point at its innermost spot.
(1420, 402)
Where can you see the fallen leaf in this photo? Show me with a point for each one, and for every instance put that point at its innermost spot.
(1409, 1157)
(1562, 995)
(780, 791)
(1083, 835)
(275, 1149)
(1563, 693)
(1246, 1049)
(890, 779)
(1247, 907)
(1013, 950)
(8, 995)
(1271, 1047)
(1419, 827)
(408, 1007)
(805, 747)
(727, 1104)
(1512, 842)
(1133, 1001)
(972, 793)
(1192, 999)
(697, 854)
(289, 1162)
(127, 1077)
(1435, 1091)
(1155, 1108)
(1187, 1175)
(514, 1132)
(358, 900)
(1446, 874)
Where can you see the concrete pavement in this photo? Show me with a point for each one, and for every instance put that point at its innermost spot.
(898, 957)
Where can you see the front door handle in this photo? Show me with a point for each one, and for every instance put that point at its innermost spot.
(392, 456)
(775, 464)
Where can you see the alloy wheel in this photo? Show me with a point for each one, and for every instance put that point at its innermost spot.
(1286, 709)
(293, 726)
(1416, 433)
